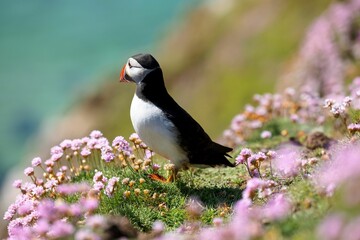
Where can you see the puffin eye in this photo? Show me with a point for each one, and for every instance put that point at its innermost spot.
(130, 66)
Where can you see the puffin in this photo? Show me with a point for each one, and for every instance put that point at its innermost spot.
(163, 125)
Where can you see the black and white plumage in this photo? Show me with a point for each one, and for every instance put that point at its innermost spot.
(162, 124)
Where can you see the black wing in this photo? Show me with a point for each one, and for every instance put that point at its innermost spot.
(192, 137)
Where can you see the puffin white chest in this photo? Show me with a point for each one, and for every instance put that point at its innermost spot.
(160, 134)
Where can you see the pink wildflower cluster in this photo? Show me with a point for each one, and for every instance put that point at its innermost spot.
(102, 183)
(329, 41)
(338, 109)
(343, 169)
(287, 162)
(39, 213)
(32, 217)
(336, 226)
(252, 161)
(247, 221)
(265, 134)
(300, 108)
(74, 156)
(263, 188)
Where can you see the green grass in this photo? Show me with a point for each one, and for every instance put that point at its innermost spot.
(217, 188)
(310, 208)
(170, 201)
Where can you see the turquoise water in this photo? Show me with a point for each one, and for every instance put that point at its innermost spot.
(52, 50)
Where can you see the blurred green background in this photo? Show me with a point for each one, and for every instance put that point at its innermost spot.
(52, 52)
(61, 58)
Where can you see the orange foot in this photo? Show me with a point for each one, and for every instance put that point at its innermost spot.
(159, 178)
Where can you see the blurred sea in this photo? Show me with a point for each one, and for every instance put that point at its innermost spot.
(50, 51)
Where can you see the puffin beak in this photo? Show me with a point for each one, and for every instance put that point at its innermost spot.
(122, 75)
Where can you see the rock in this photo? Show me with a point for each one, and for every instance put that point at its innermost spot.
(318, 140)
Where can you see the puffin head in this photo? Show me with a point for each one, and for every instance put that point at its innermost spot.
(137, 67)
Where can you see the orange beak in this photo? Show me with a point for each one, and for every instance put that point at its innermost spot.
(122, 75)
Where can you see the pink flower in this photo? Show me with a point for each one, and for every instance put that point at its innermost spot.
(96, 134)
(158, 226)
(343, 168)
(260, 156)
(93, 144)
(265, 134)
(271, 154)
(28, 187)
(29, 171)
(50, 184)
(41, 227)
(76, 210)
(86, 234)
(277, 208)
(102, 143)
(10, 212)
(134, 137)
(237, 121)
(109, 190)
(243, 156)
(122, 145)
(155, 167)
(56, 153)
(36, 162)
(46, 210)
(68, 189)
(38, 191)
(90, 204)
(255, 124)
(96, 221)
(85, 152)
(49, 163)
(244, 225)
(99, 186)
(149, 154)
(66, 144)
(62, 208)
(287, 162)
(218, 222)
(61, 229)
(107, 154)
(18, 230)
(347, 101)
(351, 230)
(257, 185)
(17, 183)
(331, 227)
(99, 177)
(76, 144)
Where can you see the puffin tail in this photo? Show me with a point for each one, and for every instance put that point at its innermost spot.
(221, 149)
(220, 153)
